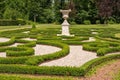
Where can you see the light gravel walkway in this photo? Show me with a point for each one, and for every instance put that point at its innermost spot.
(4, 39)
(45, 49)
(2, 54)
(112, 53)
(29, 39)
(15, 44)
(26, 32)
(90, 39)
(76, 57)
(94, 32)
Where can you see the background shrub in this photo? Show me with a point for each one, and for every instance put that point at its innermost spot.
(12, 22)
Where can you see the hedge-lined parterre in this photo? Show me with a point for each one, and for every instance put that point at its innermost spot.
(102, 48)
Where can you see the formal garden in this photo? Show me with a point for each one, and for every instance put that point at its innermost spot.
(59, 40)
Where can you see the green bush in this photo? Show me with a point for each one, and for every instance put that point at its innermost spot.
(98, 22)
(11, 60)
(87, 22)
(11, 22)
(16, 33)
(19, 77)
(102, 51)
(30, 44)
(39, 59)
(33, 26)
(111, 22)
(90, 48)
(91, 64)
(19, 51)
(11, 41)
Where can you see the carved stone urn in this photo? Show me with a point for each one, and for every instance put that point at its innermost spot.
(65, 24)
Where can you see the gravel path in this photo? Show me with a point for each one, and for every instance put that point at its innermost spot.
(26, 32)
(4, 39)
(29, 39)
(106, 72)
(76, 57)
(90, 39)
(15, 44)
(112, 53)
(45, 49)
(94, 32)
(2, 54)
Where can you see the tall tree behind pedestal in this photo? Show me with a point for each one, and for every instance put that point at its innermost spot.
(105, 9)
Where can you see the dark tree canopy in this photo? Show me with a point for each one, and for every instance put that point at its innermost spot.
(48, 11)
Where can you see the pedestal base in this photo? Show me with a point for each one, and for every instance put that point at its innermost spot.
(65, 35)
(65, 30)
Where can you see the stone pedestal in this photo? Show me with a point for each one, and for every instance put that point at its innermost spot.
(65, 28)
(65, 24)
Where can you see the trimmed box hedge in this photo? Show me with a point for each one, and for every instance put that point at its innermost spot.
(12, 22)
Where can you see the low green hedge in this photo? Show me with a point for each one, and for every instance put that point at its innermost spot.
(103, 51)
(30, 44)
(11, 22)
(13, 60)
(39, 59)
(19, 51)
(18, 33)
(18, 69)
(91, 64)
(64, 71)
(22, 77)
(102, 48)
(11, 41)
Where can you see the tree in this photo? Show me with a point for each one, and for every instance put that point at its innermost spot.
(105, 9)
(116, 10)
(2, 8)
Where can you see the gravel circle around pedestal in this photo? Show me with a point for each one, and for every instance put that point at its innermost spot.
(76, 57)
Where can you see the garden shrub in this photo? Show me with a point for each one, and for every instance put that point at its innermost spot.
(102, 51)
(97, 21)
(87, 22)
(65, 71)
(39, 59)
(15, 60)
(30, 44)
(11, 41)
(91, 64)
(16, 33)
(20, 51)
(19, 77)
(11, 22)
(33, 26)
(102, 48)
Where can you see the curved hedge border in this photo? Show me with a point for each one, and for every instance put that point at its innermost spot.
(39, 59)
(22, 77)
(89, 65)
(102, 48)
(19, 51)
(11, 22)
(11, 41)
(33, 60)
(45, 70)
(16, 33)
